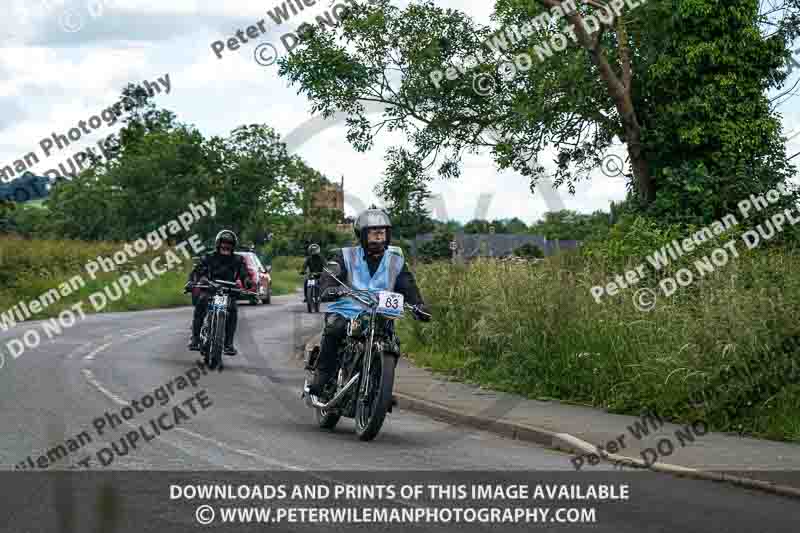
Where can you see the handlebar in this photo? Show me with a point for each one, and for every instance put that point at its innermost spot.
(216, 286)
(357, 294)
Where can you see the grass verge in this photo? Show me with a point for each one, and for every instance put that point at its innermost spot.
(30, 268)
(723, 349)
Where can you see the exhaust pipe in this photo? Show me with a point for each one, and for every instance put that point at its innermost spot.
(332, 403)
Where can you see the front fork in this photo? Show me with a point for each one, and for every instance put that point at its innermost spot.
(368, 362)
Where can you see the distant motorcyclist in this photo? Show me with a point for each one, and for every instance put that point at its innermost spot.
(224, 265)
(372, 265)
(312, 266)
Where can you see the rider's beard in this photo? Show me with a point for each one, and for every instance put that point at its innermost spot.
(375, 247)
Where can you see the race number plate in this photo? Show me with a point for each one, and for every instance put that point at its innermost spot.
(219, 301)
(390, 303)
(312, 282)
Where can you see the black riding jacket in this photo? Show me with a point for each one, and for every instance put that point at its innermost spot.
(314, 264)
(405, 283)
(224, 267)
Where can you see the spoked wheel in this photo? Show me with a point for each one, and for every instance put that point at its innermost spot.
(217, 343)
(374, 402)
(205, 341)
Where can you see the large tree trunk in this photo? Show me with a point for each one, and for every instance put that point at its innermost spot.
(619, 90)
(639, 164)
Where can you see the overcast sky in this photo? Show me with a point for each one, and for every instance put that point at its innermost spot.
(60, 64)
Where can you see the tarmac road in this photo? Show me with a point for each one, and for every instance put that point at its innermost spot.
(255, 421)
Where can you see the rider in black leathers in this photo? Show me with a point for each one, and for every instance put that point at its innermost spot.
(224, 265)
(313, 265)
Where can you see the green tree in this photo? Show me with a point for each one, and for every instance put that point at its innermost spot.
(571, 225)
(638, 79)
(529, 250)
(476, 226)
(157, 166)
(437, 248)
(515, 225)
(406, 195)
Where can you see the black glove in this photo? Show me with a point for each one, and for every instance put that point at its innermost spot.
(422, 313)
(333, 293)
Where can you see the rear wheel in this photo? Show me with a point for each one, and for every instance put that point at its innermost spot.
(268, 299)
(375, 401)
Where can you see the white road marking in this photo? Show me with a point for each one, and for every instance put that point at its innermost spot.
(117, 399)
(90, 356)
(79, 349)
(142, 332)
(91, 379)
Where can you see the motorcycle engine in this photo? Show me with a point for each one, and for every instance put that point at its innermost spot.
(355, 328)
(353, 350)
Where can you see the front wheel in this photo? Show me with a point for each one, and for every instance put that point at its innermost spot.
(217, 341)
(376, 398)
(316, 299)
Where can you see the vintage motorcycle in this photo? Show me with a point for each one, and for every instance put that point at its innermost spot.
(212, 333)
(313, 295)
(367, 360)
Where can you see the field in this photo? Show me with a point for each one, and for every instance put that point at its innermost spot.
(29, 268)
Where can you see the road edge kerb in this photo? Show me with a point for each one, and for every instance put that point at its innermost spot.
(569, 443)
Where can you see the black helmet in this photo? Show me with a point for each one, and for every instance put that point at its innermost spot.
(372, 219)
(313, 249)
(227, 236)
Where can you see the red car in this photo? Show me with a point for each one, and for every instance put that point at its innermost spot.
(260, 276)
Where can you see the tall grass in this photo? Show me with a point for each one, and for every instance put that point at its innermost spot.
(721, 349)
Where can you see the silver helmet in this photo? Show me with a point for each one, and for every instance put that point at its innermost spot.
(370, 219)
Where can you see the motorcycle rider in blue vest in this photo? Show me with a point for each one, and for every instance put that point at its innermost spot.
(372, 265)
